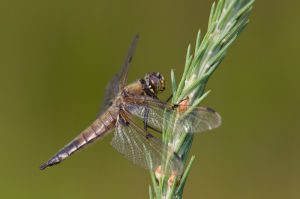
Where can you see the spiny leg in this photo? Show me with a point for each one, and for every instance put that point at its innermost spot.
(146, 126)
(150, 127)
(169, 98)
(146, 113)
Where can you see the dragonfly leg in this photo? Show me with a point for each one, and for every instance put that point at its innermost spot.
(146, 118)
(150, 127)
(169, 98)
(146, 126)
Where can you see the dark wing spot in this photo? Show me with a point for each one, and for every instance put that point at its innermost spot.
(129, 59)
(210, 109)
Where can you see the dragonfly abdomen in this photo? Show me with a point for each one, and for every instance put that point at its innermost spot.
(100, 127)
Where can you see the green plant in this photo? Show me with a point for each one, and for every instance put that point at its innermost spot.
(227, 19)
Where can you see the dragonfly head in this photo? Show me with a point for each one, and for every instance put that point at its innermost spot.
(155, 82)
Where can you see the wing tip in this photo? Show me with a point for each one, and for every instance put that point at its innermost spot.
(219, 118)
(210, 110)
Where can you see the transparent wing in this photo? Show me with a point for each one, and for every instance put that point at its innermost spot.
(133, 142)
(112, 89)
(118, 81)
(181, 118)
(125, 66)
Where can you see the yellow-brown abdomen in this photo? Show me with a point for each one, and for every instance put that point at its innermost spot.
(98, 129)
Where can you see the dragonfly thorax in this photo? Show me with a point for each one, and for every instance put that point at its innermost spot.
(118, 100)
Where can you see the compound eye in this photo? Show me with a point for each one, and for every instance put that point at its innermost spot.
(162, 82)
(155, 82)
(159, 76)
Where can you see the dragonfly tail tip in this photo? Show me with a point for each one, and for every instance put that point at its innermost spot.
(43, 166)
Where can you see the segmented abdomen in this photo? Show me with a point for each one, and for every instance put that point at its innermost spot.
(100, 127)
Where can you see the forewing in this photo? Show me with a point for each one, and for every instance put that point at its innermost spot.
(181, 118)
(118, 81)
(132, 141)
(125, 66)
(112, 89)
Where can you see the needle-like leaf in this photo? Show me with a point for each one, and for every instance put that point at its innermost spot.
(226, 20)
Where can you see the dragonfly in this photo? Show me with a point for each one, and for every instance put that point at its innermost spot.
(130, 111)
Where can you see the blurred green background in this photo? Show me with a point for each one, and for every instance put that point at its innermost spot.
(56, 57)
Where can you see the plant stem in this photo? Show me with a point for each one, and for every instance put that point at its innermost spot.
(227, 19)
